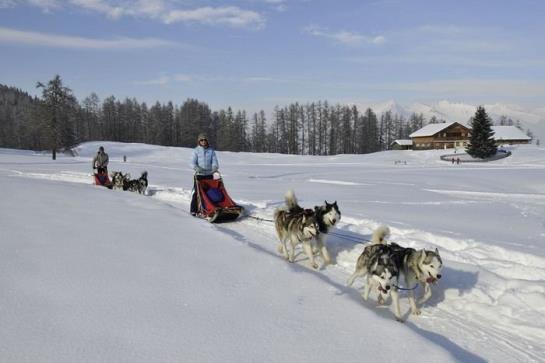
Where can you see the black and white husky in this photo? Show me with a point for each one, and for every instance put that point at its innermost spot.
(296, 225)
(124, 181)
(327, 215)
(416, 266)
(137, 185)
(119, 179)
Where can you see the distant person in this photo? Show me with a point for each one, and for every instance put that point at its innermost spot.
(457, 160)
(453, 160)
(100, 161)
(205, 163)
(124, 158)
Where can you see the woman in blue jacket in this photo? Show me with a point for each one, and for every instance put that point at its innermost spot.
(205, 164)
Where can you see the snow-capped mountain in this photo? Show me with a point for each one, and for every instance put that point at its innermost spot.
(462, 112)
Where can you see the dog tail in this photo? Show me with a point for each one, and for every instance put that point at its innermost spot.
(144, 175)
(291, 200)
(380, 234)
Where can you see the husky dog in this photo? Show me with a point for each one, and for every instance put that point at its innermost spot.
(119, 179)
(297, 225)
(422, 266)
(378, 267)
(418, 266)
(327, 215)
(137, 185)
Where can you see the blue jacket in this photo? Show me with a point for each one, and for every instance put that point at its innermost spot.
(204, 161)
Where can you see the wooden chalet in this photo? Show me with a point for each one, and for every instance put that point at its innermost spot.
(441, 136)
(402, 144)
(510, 135)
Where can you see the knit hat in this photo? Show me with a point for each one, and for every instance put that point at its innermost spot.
(202, 135)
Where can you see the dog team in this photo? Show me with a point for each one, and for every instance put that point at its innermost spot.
(119, 180)
(124, 181)
(382, 264)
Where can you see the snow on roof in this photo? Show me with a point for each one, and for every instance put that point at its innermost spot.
(431, 129)
(509, 133)
(403, 142)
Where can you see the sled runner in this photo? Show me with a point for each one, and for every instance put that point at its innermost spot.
(102, 178)
(214, 203)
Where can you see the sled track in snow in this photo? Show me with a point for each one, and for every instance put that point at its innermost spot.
(461, 301)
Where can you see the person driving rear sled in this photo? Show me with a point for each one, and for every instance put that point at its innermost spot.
(100, 161)
(205, 163)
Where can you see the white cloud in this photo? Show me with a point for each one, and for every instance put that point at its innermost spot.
(182, 78)
(278, 5)
(164, 80)
(259, 79)
(102, 7)
(45, 5)
(4, 4)
(229, 15)
(152, 8)
(443, 59)
(19, 37)
(115, 10)
(161, 81)
(345, 37)
(167, 11)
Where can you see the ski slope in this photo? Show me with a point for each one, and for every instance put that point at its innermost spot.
(92, 274)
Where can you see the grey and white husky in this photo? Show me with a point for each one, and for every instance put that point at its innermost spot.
(416, 266)
(377, 266)
(296, 225)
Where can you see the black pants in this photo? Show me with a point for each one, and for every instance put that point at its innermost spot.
(194, 206)
(102, 169)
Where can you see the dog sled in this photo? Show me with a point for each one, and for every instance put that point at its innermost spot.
(213, 202)
(102, 178)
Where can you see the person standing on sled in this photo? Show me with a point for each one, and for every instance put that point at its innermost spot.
(100, 161)
(205, 163)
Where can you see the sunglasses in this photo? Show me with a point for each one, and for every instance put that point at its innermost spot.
(203, 140)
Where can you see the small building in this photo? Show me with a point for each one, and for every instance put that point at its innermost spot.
(510, 135)
(402, 144)
(441, 136)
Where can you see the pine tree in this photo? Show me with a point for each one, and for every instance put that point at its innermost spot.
(481, 142)
(59, 108)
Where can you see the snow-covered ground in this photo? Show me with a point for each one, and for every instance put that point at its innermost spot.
(90, 274)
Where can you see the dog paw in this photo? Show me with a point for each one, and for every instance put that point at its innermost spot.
(417, 312)
(315, 266)
(399, 319)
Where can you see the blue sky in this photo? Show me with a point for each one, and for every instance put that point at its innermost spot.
(254, 54)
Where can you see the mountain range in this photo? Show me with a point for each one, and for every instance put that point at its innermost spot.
(533, 120)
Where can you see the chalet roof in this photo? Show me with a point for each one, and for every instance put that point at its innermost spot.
(431, 129)
(403, 142)
(509, 133)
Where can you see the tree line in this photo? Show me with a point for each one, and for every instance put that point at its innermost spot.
(58, 121)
